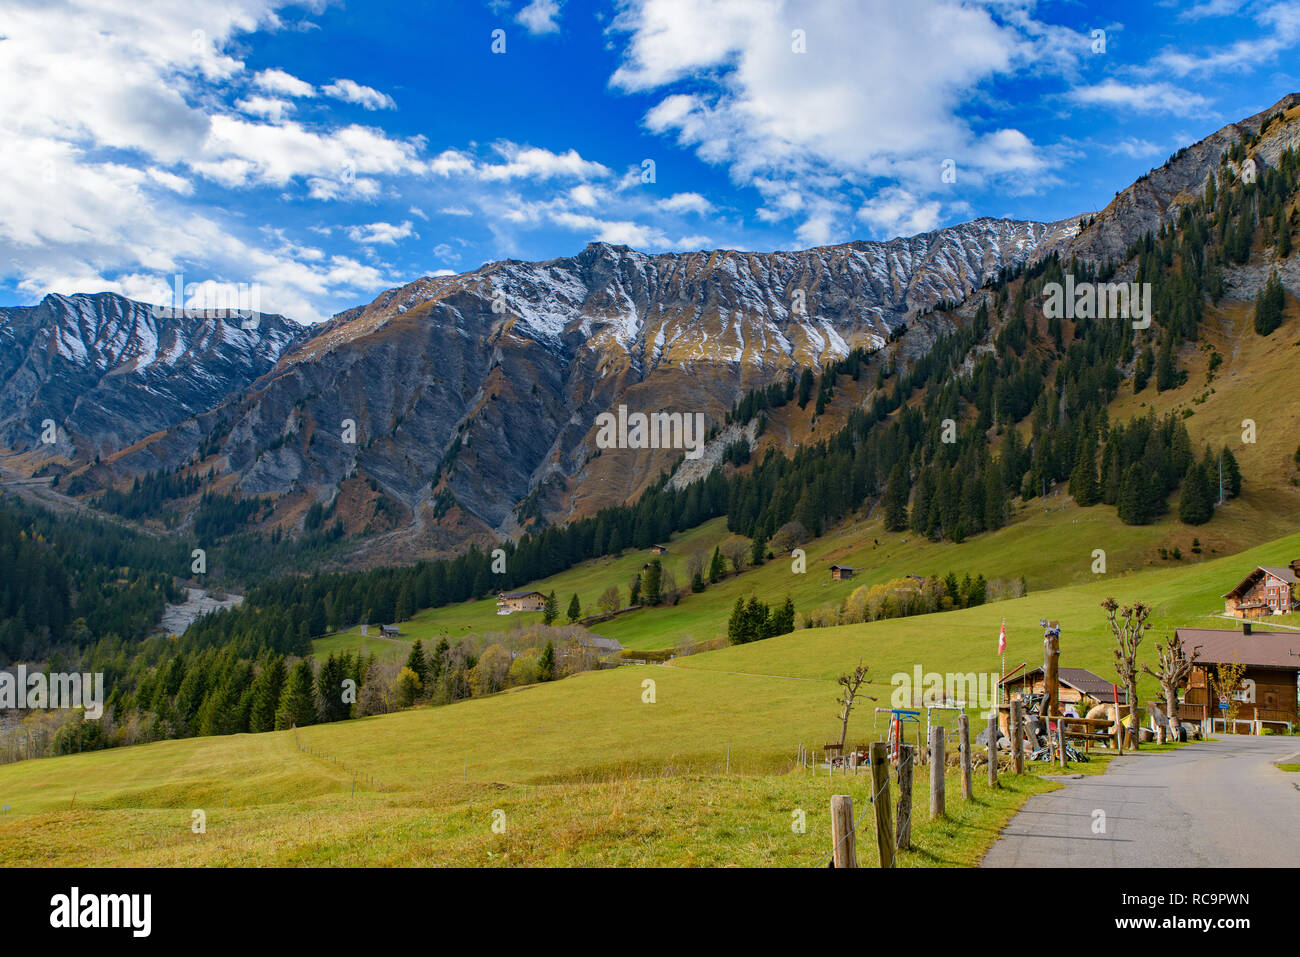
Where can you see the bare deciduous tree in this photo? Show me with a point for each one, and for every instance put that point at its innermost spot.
(736, 550)
(1175, 668)
(790, 535)
(1128, 625)
(850, 683)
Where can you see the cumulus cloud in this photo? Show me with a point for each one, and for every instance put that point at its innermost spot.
(349, 91)
(801, 98)
(382, 233)
(1140, 97)
(540, 16)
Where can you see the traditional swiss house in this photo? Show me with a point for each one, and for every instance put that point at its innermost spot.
(1076, 686)
(841, 573)
(1271, 681)
(512, 601)
(1268, 590)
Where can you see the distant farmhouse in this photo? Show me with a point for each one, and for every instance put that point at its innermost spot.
(389, 631)
(657, 549)
(1268, 590)
(841, 573)
(512, 601)
(1272, 665)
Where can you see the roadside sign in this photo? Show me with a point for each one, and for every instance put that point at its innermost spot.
(1223, 702)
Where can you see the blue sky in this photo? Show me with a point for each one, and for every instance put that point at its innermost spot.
(321, 153)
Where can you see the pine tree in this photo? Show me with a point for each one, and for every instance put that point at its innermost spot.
(896, 494)
(418, 663)
(717, 567)
(1231, 474)
(298, 701)
(575, 609)
(550, 610)
(1196, 504)
(546, 663)
(738, 624)
(1269, 306)
(783, 618)
(1134, 506)
(267, 688)
(1084, 486)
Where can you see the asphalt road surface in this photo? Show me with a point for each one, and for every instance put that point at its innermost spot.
(1208, 804)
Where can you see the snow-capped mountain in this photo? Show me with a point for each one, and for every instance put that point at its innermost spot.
(485, 386)
(109, 371)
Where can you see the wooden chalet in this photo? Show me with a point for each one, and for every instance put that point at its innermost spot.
(841, 573)
(1077, 686)
(1268, 590)
(512, 601)
(389, 631)
(1272, 677)
(658, 550)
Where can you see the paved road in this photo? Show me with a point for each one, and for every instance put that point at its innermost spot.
(1209, 804)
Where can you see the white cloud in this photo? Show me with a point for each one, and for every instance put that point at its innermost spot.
(1140, 97)
(539, 16)
(897, 212)
(883, 93)
(383, 233)
(350, 91)
(282, 83)
(685, 203)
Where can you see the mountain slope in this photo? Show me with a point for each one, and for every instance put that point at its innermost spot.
(110, 371)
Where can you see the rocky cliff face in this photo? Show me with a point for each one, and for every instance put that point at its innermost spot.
(1156, 198)
(109, 371)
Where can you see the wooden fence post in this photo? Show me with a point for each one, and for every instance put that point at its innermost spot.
(905, 753)
(1060, 739)
(843, 851)
(880, 800)
(993, 750)
(1017, 729)
(937, 766)
(963, 727)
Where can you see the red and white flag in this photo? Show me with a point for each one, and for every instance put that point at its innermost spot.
(1002, 638)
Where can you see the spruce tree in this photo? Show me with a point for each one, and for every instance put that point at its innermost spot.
(896, 494)
(1231, 474)
(418, 663)
(298, 701)
(1196, 504)
(1269, 306)
(550, 610)
(267, 688)
(575, 609)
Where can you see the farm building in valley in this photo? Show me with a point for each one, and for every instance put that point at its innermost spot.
(841, 573)
(389, 631)
(1270, 692)
(512, 601)
(1268, 590)
(657, 550)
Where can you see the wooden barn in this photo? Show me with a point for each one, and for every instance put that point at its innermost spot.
(389, 631)
(841, 573)
(1268, 590)
(658, 550)
(1271, 693)
(512, 601)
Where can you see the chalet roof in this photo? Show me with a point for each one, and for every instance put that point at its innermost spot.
(1080, 679)
(1265, 649)
(847, 568)
(1284, 574)
(520, 594)
(600, 642)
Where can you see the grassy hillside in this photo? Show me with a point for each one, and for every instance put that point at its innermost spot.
(585, 770)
